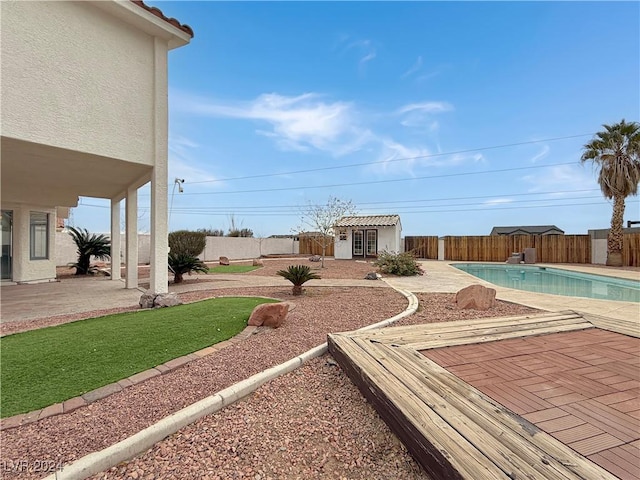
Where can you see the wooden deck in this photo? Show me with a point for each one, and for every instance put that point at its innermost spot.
(452, 428)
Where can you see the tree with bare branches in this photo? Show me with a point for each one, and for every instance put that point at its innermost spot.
(321, 219)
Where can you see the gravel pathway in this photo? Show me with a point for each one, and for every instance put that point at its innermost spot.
(310, 423)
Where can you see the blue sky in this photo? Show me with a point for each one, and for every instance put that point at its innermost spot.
(410, 108)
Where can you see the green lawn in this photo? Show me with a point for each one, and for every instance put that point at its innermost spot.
(232, 269)
(50, 365)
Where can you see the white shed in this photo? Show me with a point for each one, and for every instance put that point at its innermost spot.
(365, 236)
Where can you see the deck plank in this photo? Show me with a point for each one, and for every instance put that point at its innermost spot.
(452, 429)
(494, 435)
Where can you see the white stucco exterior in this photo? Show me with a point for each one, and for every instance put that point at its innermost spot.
(84, 97)
(234, 248)
(388, 237)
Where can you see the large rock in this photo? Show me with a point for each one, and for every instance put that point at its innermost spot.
(315, 258)
(269, 314)
(147, 299)
(224, 261)
(166, 300)
(476, 297)
(371, 276)
(257, 262)
(155, 300)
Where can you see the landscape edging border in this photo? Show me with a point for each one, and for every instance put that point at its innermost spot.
(145, 439)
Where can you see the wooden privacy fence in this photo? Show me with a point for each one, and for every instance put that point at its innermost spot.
(312, 245)
(497, 248)
(631, 250)
(422, 247)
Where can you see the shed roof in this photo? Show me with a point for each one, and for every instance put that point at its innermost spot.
(526, 229)
(369, 221)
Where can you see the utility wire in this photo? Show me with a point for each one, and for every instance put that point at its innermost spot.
(358, 204)
(372, 182)
(485, 209)
(352, 165)
(405, 208)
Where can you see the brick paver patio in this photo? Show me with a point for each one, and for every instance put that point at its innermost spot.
(582, 387)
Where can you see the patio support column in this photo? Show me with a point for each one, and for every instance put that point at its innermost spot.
(132, 237)
(115, 239)
(159, 175)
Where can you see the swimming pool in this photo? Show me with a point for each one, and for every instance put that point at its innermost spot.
(555, 281)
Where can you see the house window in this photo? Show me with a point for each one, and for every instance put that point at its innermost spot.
(39, 233)
(342, 234)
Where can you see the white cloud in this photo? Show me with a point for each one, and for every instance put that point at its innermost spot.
(297, 123)
(497, 201)
(560, 178)
(425, 107)
(363, 46)
(541, 154)
(414, 68)
(311, 122)
(420, 115)
(184, 164)
(367, 58)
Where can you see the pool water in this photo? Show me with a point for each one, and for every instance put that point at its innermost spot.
(555, 281)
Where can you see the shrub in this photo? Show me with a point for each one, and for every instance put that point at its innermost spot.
(212, 232)
(89, 244)
(181, 263)
(401, 264)
(187, 242)
(298, 275)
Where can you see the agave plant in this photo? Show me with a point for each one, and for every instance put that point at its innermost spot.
(181, 263)
(298, 275)
(89, 244)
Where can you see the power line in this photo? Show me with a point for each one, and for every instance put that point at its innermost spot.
(352, 165)
(358, 204)
(485, 209)
(372, 182)
(388, 202)
(402, 209)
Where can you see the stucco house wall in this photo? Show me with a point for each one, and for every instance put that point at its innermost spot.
(84, 96)
(388, 239)
(23, 266)
(389, 234)
(67, 65)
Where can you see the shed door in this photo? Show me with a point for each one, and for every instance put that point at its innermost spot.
(372, 243)
(358, 243)
(365, 243)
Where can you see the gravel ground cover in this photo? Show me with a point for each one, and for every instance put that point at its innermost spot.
(311, 423)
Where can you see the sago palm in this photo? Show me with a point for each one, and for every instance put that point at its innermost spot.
(298, 275)
(89, 244)
(181, 263)
(616, 151)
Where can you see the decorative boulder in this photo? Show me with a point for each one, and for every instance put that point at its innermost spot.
(269, 314)
(476, 297)
(315, 258)
(371, 276)
(224, 261)
(166, 300)
(257, 262)
(147, 299)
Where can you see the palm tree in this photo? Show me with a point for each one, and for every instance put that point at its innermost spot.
(96, 245)
(298, 275)
(616, 150)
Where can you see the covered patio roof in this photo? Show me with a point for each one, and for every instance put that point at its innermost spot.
(41, 174)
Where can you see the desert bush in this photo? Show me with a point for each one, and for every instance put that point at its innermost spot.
(401, 264)
(187, 242)
(298, 275)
